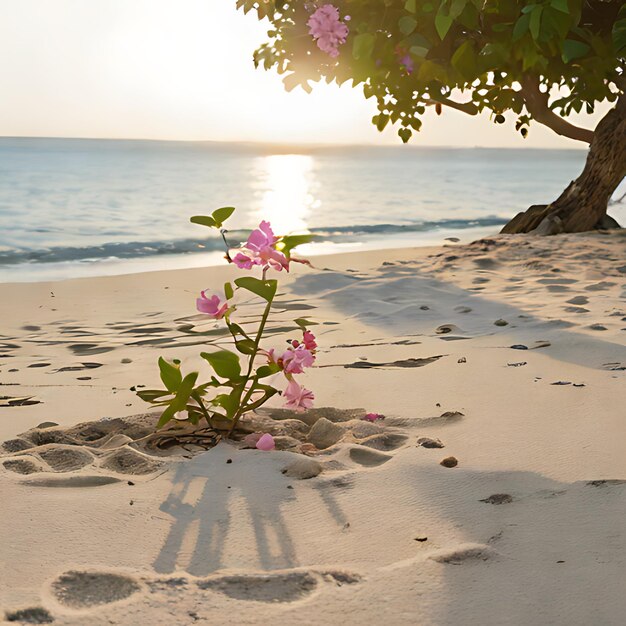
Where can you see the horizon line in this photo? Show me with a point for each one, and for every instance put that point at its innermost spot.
(302, 146)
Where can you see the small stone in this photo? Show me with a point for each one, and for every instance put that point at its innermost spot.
(501, 322)
(498, 498)
(126, 360)
(46, 425)
(229, 461)
(427, 442)
(449, 461)
(302, 468)
(462, 360)
(325, 433)
(597, 327)
(283, 442)
(421, 539)
(519, 346)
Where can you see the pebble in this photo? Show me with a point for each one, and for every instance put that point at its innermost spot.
(303, 468)
(427, 442)
(449, 461)
(501, 322)
(325, 433)
(498, 498)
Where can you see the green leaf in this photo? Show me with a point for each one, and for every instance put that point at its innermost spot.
(245, 346)
(224, 363)
(464, 59)
(221, 215)
(407, 24)
(267, 370)
(521, 27)
(180, 401)
(573, 49)
(381, 120)
(442, 24)
(264, 288)
(535, 22)
(456, 8)
(204, 220)
(167, 415)
(619, 34)
(229, 402)
(269, 392)
(289, 242)
(419, 51)
(560, 5)
(303, 322)
(405, 134)
(363, 45)
(170, 374)
(236, 329)
(228, 291)
(150, 395)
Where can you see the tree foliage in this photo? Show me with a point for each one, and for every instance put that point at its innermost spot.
(501, 55)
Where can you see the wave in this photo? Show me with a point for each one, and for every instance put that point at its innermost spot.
(141, 249)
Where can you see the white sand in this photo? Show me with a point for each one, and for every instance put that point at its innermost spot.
(201, 540)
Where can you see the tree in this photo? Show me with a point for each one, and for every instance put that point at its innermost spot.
(539, 59)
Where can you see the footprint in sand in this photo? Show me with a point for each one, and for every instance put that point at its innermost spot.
(464, 552)
(275, 587)
(33, 615)
(103, 445)
(83, 590)
(368, 457)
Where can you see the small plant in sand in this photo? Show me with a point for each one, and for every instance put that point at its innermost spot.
(239, 382)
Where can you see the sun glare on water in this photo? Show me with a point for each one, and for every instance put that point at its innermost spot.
(285, 187)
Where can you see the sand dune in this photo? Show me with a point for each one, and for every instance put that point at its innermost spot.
(507, 355)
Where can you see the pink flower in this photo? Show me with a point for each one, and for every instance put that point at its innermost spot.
(295, 360)
(266, 443)
(212, 306)
(259, 250)
(372, 417)
(261, 238)
(298, 397)
(327, 29)
(407, 62)
(309, 340)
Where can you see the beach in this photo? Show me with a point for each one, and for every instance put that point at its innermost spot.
(504, 358)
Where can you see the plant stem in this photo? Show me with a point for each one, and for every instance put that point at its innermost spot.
(257, 341)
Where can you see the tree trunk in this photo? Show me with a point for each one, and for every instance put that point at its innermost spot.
(582, 206)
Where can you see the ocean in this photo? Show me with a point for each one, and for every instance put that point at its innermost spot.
(75, 207)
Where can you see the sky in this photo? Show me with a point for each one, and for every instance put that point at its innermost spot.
(182, 70)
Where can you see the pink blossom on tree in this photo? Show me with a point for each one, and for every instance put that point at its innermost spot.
(327, 29)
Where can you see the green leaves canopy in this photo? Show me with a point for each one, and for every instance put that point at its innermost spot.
(483, 47)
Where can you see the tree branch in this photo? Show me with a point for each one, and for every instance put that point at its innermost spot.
(465, 107)
(537, 105)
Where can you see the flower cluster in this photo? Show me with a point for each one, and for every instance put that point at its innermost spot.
(327, 29)
(295, 360)
(260, 249)
(238, 383)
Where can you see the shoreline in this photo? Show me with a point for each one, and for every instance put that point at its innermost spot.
(66, 270)
(509, 352)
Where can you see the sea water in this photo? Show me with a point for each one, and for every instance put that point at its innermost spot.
(76, 207)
